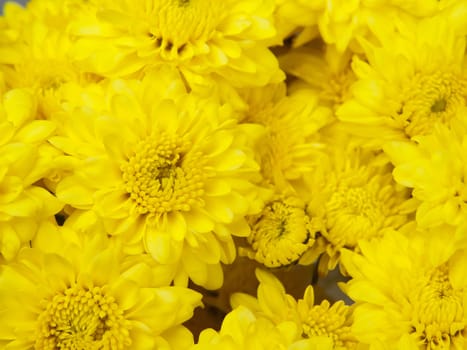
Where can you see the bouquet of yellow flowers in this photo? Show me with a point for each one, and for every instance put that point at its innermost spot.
(188, 174)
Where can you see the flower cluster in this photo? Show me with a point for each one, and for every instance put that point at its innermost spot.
(157, 155)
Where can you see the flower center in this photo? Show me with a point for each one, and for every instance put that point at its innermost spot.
(164, 175)
(176, 24)
(281, 233)
(440, 312)
(332, 322)
(353, 213)
(439, 106)
(79, 319)
(337, 89)
(429, 99)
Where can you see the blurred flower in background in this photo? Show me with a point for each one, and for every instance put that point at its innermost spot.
(2, 2)
(251, 174)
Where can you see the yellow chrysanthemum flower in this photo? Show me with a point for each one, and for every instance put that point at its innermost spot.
(340, 22)
(354, 195)
(411, 292)
(39, 56)
(414, 78)
(289, 148)
(226, 39)
(24, 161)
(242, 329)
(168, 172)
(281, 233)
(72, 292)
(343, 20)
(436, 168)
(331, 322)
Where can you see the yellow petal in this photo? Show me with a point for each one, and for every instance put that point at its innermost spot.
(35, 131)
(104, 266)
(10, 188)
(237, 322)
(59, 271)
(178, 338)
(457, 270)
(217, 187)
(176, 225)
(20, 158)
(110, 130)
(198, 222)
(23, 206)
(218, 210)
(230, 160)
(9, 242)
(19, 106)
(162, 247)
(401, 152)
(429, 215)
(195, 268)
(166, 116)
(208, 249)
(112, 204)
(217, 143)
(239, 228)
(366, 291)
(71, 191)
(125, 293)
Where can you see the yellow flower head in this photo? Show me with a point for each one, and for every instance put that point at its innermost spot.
(281, 233)
(39, 56)
(288, 148)
(78, 292)
(332, 321)
(163, 169)
(354, 195)
(411, 292)
(222, 38)
(415, 78)
(242, 329)
(24, 161)
(435, 166)
(316, 322)
(342, 21)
